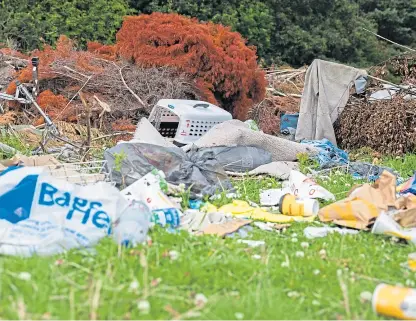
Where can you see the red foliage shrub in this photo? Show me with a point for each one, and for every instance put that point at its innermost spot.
(48, 56)
(53, 104)
(224, 67)
(105, 51)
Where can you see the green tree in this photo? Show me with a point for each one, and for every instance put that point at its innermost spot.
(328, 29)
(30, 23)
(396, 19)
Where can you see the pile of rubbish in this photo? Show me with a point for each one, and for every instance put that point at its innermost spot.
(174, 164)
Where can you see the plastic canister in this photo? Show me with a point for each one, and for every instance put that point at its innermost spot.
(394, 301)
(290, 205)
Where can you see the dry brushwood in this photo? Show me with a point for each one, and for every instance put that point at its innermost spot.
(116, 85)
(402, 67)
(282, 85)
(267, 113)
(386, 126)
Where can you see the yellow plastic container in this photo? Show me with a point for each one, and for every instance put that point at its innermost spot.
(290, 205)
(411, 261)
(394, 301)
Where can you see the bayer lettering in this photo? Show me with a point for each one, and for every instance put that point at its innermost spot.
(50, 196)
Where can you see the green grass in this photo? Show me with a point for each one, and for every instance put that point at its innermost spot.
(14, 142)
(269, 282)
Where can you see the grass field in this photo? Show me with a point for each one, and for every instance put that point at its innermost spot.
(180, 276)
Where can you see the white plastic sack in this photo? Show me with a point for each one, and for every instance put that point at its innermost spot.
(43, 215)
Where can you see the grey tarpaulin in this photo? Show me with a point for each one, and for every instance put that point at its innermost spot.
(280, 170)
(236, 133)
(327, 89)
(199, 170)
(240, 159)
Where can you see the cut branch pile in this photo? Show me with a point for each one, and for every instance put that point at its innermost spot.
(114, 89)
(386, 126)
(283, 95)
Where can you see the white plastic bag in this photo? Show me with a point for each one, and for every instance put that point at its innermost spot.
(42, 215)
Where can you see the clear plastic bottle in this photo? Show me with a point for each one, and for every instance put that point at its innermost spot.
(132, 226)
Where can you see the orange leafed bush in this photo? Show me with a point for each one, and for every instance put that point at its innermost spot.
(48, 56)
(224, 67)
(53, 104)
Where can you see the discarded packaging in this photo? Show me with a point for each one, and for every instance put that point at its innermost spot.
(132, 226)
(350, 212)
(197, 221)
(406, 218)
(290, 205)
(312, 232)
(387, 226)
(167, 217)
(411, 261)
(33, 161)
(43, 215)
(272, 197)
(153, 178)
(394, 301)
(243, 209)
(252, 243)
(382, 193)
(149, 190)
(304, 187)
(268, 226)
(225, 228)
(363, 205)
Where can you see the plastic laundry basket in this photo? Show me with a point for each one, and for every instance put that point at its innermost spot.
(186, 120)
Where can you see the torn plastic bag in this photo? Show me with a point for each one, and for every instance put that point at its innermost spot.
(240, 159)
(42, 215)
(361, 170)
(198, 170)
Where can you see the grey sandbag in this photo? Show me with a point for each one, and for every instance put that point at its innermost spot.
(240, 159)
(200, 170)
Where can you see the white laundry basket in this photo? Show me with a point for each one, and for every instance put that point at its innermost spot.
(186, 120)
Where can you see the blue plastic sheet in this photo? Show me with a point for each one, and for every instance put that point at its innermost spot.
(330, 156)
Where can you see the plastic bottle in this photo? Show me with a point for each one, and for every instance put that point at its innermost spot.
(132, 226)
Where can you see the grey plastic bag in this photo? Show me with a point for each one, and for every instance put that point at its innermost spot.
(240, 159)
(200, 170)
